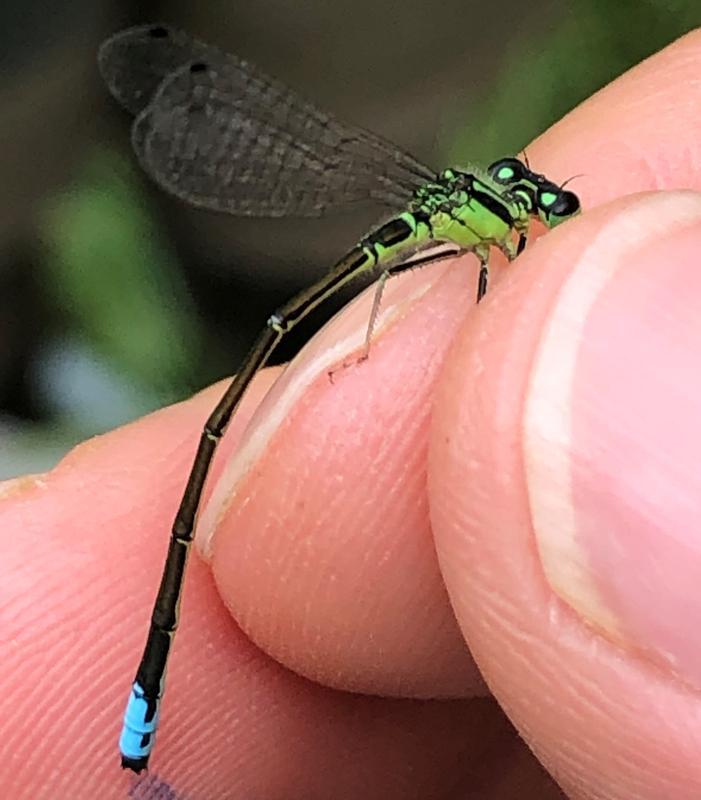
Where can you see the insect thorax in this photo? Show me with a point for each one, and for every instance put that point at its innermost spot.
(469, 209)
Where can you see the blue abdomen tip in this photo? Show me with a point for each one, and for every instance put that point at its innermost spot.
(140, 723)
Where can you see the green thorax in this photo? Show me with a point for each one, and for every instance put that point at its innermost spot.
(469, 209)
(475, 211)
(464, 209)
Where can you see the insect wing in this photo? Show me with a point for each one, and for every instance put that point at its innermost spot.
(215, 131)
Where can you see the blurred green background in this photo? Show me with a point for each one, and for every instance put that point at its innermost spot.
(115, 299)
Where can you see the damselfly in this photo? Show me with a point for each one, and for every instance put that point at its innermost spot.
(216, 132)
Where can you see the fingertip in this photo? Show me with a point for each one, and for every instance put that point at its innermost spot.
(81, 560)
(500, 506)
(321, 544)
(641, 132)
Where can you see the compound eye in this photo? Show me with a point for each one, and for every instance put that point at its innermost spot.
(557, 206)
(566, 205)
(507, 171)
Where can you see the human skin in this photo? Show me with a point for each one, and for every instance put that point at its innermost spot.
(519, 475)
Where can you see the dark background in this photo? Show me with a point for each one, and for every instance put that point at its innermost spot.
(115, 299)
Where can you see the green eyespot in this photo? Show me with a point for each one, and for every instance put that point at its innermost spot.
(507, 171)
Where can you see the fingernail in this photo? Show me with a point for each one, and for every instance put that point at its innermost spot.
(338, 341)
(612, 434)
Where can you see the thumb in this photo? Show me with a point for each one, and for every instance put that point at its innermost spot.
(566, 497)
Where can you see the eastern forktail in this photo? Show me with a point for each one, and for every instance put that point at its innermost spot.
(216, 132)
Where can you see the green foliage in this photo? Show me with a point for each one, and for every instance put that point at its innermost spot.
(549, 72)
(113, 276)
